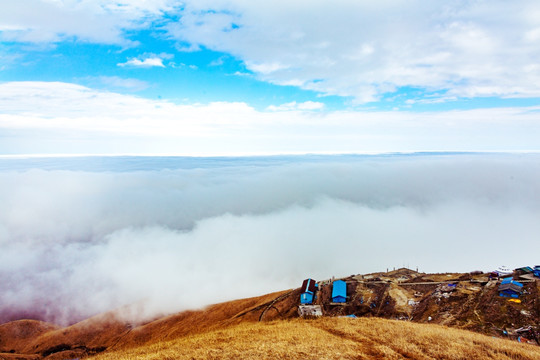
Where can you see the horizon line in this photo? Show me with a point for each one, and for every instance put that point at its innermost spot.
(266, 154)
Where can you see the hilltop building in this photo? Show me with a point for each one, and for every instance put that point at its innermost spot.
(339, 291)
(309, 286)
(503, 271)
(510, 288)
(525, 273)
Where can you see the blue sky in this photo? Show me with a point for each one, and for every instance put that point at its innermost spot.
(237, 77)
(195, 76)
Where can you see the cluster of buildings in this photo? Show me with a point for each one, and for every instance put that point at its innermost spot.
(310, 286)
(510, 287)
(308, 296)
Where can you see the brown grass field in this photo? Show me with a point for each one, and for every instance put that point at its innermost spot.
(232, 330)
(330, 338)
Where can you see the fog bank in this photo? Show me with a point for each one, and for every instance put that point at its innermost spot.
(76, 243)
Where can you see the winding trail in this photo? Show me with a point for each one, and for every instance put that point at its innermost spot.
(271, 305)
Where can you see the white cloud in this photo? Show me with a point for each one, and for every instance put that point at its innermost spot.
(357, 48)
(217, 62)
(75, 242)
(437, 99)
(266, 68)
(7, 59)
(148, 62)
(306, 105)
(40, 117)
(98, 21)
(244, 74)
(362, 49)
(123, 83)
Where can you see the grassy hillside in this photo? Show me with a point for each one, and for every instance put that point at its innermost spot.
(29, 339)
(16, 335)
(268, 326)
(330, 338)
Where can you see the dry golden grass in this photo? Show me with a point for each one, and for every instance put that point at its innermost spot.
(330, 338)
(16, 335)
(186, 323)
(29, 339)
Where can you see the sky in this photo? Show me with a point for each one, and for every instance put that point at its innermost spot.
(454, 80)
(237, 77)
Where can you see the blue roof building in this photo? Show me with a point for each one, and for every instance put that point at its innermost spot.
(537, 271)
(309, 286)
(306, 298)
(339, 291)
(510, 288)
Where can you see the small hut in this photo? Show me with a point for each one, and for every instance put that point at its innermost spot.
(510, 288)
(309, 286)
(503, 271)
(524, 273)
(523, 270)
(339, 291)
(537, 271)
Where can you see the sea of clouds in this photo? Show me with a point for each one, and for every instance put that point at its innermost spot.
(75, 243)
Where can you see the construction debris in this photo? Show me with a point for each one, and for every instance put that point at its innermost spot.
(309, 310)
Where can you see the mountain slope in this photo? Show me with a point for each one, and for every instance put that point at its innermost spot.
(463, 301)
(331, 338)
(113, 330)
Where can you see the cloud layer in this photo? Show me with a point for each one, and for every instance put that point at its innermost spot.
(364, 50)
(55, 117)
(352, 48)
(76, 243)
(100, 21)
